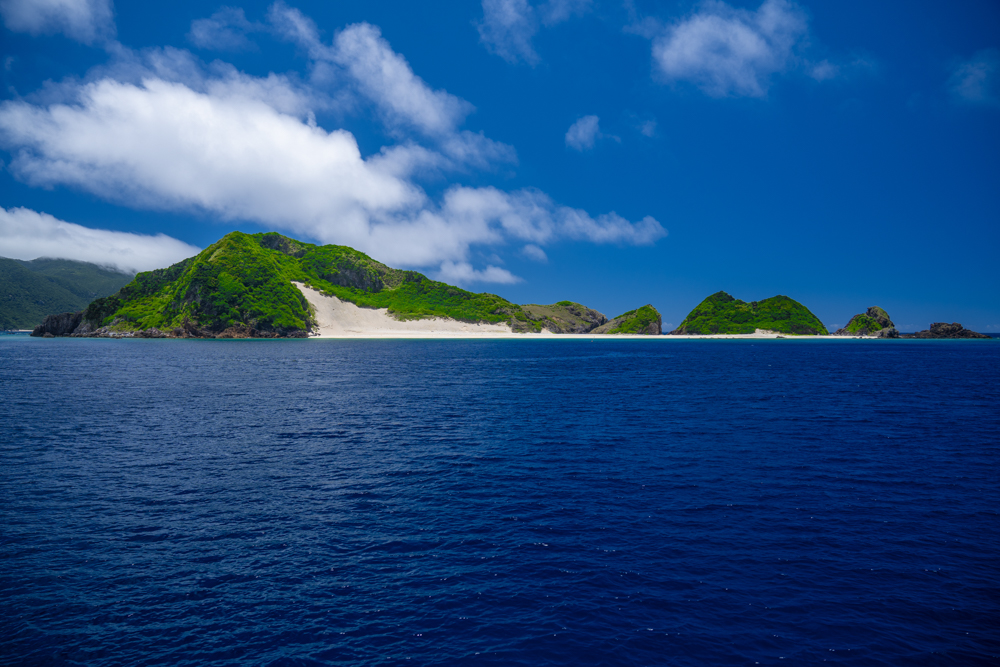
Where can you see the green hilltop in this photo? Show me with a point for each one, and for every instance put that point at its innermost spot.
(30, 290)
(720, 313)
(243, 282)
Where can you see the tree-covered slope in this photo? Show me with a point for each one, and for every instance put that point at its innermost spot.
(30, 290)
(246, 280)
(869, 323)
(243, 285)
(645, 321)
(722, 314)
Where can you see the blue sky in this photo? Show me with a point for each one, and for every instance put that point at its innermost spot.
(612, 153)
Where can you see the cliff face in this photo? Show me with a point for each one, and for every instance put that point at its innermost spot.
(720, 313)
(945, 330)
(645, 321)
(873, 322)
(565, 317)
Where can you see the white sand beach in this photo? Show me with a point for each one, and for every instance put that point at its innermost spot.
(341, 319)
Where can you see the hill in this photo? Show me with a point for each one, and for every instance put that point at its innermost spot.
(30, 290)
(720, 313)
(242, 285)
(873, 322)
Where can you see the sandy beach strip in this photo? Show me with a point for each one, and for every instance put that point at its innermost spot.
(342, 319)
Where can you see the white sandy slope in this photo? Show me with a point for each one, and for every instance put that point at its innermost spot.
(341, 319)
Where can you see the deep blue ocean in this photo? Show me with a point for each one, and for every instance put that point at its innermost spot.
(506, 502)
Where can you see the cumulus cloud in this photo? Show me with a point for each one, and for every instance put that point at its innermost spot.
(462, 273)
(531, 251)
(159, 130)
(27, 234)
(582, 134)
(977, 80)
(507, 29)
(361, 59)
(163, 145)
(86, 21)
(732, 52)
(508, 26)
(225, 30)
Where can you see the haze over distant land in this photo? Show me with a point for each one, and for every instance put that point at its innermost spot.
(841, 154)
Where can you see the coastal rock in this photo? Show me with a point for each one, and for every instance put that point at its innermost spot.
(945, 330)
(645, 321)
(873, 322)
(62, 324)
(564, 317)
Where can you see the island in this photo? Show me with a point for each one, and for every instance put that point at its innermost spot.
(271, 286)
(722, 313)
(32, 289)
(945, 330)
(873, 322)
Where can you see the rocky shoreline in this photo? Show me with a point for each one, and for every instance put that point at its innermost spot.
(943, 330)
(73, 325)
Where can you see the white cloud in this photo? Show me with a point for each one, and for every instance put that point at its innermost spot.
(462, 273)
(508, 26)
(156, 129)
(507, 29)
(163, 145)
(225, 30)
(557, 11)
(824, 70)
(582, 134)
(731, 52)
(647, 128)
(86, 21)
(531, 251)
(27, 234)
(360, 58)
(977, 80)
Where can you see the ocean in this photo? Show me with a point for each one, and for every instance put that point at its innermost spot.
(499, 502)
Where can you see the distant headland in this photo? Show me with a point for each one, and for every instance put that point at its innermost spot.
(271, 286)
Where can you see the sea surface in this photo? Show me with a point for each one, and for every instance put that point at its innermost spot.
(504, 502)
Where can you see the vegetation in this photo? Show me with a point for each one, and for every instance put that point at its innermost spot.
(563, 317)
(30, 290)
(244, 281)
(722, 314)
(247, 279)
(870, 322)
(645, 320)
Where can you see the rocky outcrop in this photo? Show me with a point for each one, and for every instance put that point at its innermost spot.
(645, 321)
(564, 317)
(62, 324)
(74, 324)
(874, 322)
(945, 330)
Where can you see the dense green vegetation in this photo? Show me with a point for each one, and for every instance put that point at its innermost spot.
(722, 314)
(636, 321)
(870, 322)
(30, 290)
(247, 279)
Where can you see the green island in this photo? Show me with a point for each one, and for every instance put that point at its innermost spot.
(242, 286)
(33, 289)
(721, 313)
(873, 322)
